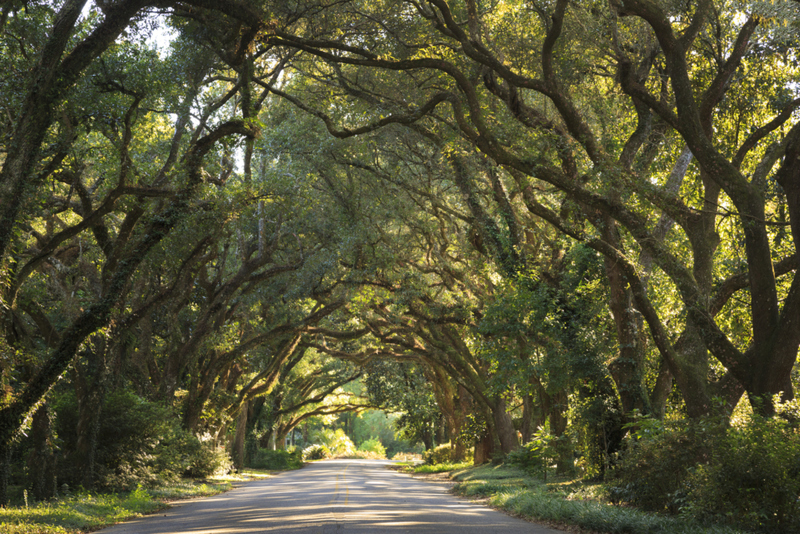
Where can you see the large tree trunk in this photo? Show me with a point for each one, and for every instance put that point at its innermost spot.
(484, 449)
(441, 431)
(445, 393)
(692, 380)
(427, 439)
(463, 407)
(280, 437)
(90, 392)
(504, 426)
(692, 350)
(198, 392)
(627, 368)
(5, 472)
(661, 390)
(237, 446)
(42, 461)
(526, 428)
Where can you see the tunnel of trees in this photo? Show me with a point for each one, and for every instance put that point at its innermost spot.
(221, 219)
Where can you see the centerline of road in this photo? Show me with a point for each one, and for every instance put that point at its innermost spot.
(316, 500)
(340, 477)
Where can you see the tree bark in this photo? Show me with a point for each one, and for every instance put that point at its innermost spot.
(484, 449)
(89, 383)
(42, 461)
(504, 426)
(237, 446)
(626, 368)
(5, 472)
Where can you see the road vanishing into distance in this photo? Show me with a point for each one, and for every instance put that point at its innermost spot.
(332, 497)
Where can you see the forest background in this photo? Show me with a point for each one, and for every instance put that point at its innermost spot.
(560, 233)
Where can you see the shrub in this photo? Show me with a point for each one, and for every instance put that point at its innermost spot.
(337, 442)
(747, 476)
(401, 446)
(364, 455)
(652, 471)
(316, 452)
(209, 460)
(442, 468)
(438, 455)
(526, 458)
(752, 479)
(138, 442)
(175, 453)
(536, 455)
(277, 460)
(375, 446)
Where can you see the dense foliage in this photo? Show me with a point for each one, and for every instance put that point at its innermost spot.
(744, 475)
(559, 233)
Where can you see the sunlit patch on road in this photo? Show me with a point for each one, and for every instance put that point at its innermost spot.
(336, 496)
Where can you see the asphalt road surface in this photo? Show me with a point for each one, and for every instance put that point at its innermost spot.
(332, 497)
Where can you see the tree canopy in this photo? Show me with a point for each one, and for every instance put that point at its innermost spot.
(498, 215)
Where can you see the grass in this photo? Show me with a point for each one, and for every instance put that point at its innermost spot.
(417, 467)
(440, 468)
(566, 503)
(87, 511)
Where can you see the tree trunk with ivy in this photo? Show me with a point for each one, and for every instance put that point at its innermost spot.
(42, 460)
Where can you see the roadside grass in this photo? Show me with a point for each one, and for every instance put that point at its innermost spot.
(85, 512)
(440, 468)
(419, 468)
(566, 502)
(251, 473)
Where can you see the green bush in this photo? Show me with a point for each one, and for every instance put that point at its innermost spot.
(277, 460)
(527, 457)
(175, 453)
(651, 473)
(536, 455)
(752, 479)
(373, 445)
(401, 446)
(138, 442)
(438, 455)
(514, 491)
(316, 452)
(746, 476)
(337, 442)
(209, 460)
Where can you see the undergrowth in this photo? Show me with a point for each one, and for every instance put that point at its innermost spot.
(514, 491)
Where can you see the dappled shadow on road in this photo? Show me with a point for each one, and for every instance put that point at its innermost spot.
(334, 497)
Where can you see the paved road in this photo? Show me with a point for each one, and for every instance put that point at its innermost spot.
(332, 497)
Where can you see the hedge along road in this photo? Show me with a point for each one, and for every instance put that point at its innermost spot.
(332, 497)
